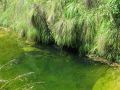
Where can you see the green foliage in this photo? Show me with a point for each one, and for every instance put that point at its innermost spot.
(90, 25)
(18, 15)
(39, 22)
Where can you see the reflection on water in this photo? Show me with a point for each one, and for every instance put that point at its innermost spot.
(53, 69)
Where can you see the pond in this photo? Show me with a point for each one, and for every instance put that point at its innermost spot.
(24, 67)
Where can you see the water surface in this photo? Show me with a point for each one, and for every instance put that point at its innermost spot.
(24, 67)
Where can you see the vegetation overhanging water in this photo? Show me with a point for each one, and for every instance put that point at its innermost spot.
(23, 67)
(88, 27)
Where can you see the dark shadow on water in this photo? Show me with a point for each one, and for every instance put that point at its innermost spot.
(58, 69)
(63, 71)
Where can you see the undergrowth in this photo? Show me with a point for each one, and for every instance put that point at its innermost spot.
(92, 26)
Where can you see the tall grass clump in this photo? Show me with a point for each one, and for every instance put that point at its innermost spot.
(20, 16)
(90, 26)
(40, 23)
(107, 42)
(63, 18)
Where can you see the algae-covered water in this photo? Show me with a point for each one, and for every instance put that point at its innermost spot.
(24, 67)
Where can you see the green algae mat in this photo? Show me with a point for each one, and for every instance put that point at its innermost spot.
(24, 67)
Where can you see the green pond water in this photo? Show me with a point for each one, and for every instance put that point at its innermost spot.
(23, 67)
